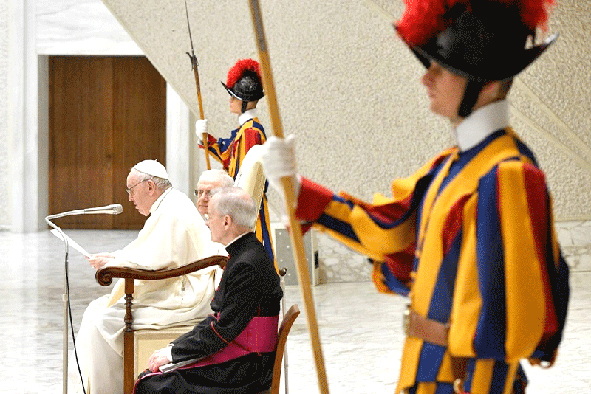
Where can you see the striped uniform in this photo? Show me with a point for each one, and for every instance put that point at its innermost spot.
(230, 152)
(470, 240)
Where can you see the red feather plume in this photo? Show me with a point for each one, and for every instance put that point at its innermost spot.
(534, 13)
(239, 68)
(422, 19)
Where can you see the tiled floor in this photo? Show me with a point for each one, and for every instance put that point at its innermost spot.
(359, 329)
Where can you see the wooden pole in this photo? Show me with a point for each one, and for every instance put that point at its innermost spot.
(288, 188)
(194, 67)
(204, 136)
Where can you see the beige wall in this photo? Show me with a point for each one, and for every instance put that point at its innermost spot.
(350, 90)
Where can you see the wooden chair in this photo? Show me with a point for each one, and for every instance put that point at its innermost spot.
(105, 277)
(284, 329)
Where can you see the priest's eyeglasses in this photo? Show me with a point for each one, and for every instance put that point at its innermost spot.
(130, 189)
(203, 193)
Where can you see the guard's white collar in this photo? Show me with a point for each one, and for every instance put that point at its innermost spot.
(247, 115)
(482, 123)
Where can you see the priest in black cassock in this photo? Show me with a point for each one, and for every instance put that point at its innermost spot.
(233, 349)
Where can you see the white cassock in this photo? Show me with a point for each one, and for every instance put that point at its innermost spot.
(174, 235)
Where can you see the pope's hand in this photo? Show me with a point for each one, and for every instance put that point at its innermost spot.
(278, 160)
(99, 260)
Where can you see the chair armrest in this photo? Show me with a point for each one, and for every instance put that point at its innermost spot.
(104, 276)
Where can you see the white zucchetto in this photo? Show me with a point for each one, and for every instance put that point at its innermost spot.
(151, 167)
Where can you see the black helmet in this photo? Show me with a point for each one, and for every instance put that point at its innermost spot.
(244, 81)
(482, 40)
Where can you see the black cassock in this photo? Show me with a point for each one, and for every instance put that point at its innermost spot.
(249, 287)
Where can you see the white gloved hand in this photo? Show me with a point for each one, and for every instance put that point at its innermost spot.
(201, 127)
(278, 159)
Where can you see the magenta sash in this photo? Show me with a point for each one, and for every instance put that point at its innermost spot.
(259, 336)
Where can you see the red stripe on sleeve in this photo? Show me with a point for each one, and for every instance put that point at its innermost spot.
(312, 200)
(251, 137)
(453, 223)
(383, 213)
(400, 264)
(537, 199)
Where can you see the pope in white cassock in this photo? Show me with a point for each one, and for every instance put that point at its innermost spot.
(174, 235)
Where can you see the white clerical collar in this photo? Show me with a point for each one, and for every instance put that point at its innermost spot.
(247, 115)
(156, 203)
(237, 238)
(482, 123)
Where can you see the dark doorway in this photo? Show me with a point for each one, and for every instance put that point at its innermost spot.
(105, 115)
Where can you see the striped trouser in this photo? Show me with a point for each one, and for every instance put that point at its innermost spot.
(495, 386)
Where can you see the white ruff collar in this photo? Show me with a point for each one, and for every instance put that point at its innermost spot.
(482, 123)
(247, 115)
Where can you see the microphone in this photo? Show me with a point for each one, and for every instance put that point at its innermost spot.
(113, 209)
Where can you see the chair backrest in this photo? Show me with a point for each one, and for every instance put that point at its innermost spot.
(284, 329)
(104, 277)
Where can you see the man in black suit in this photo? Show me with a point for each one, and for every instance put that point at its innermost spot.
(233, 349)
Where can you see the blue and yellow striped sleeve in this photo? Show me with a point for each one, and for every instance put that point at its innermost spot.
(384, 230)
(218, 148)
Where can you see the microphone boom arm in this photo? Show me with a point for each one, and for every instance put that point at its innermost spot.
(113, 209)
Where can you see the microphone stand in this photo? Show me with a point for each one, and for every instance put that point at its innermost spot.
(66, 300)
(113, 210)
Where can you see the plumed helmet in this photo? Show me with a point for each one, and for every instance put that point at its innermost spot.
(483, 40)
(244, 80)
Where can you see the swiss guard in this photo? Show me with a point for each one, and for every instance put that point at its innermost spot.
(470, 237)
(245, 87)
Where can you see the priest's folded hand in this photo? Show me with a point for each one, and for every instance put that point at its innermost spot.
(159, 358)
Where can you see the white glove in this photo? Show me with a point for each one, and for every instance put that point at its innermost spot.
(201, 127)
(278, 159)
